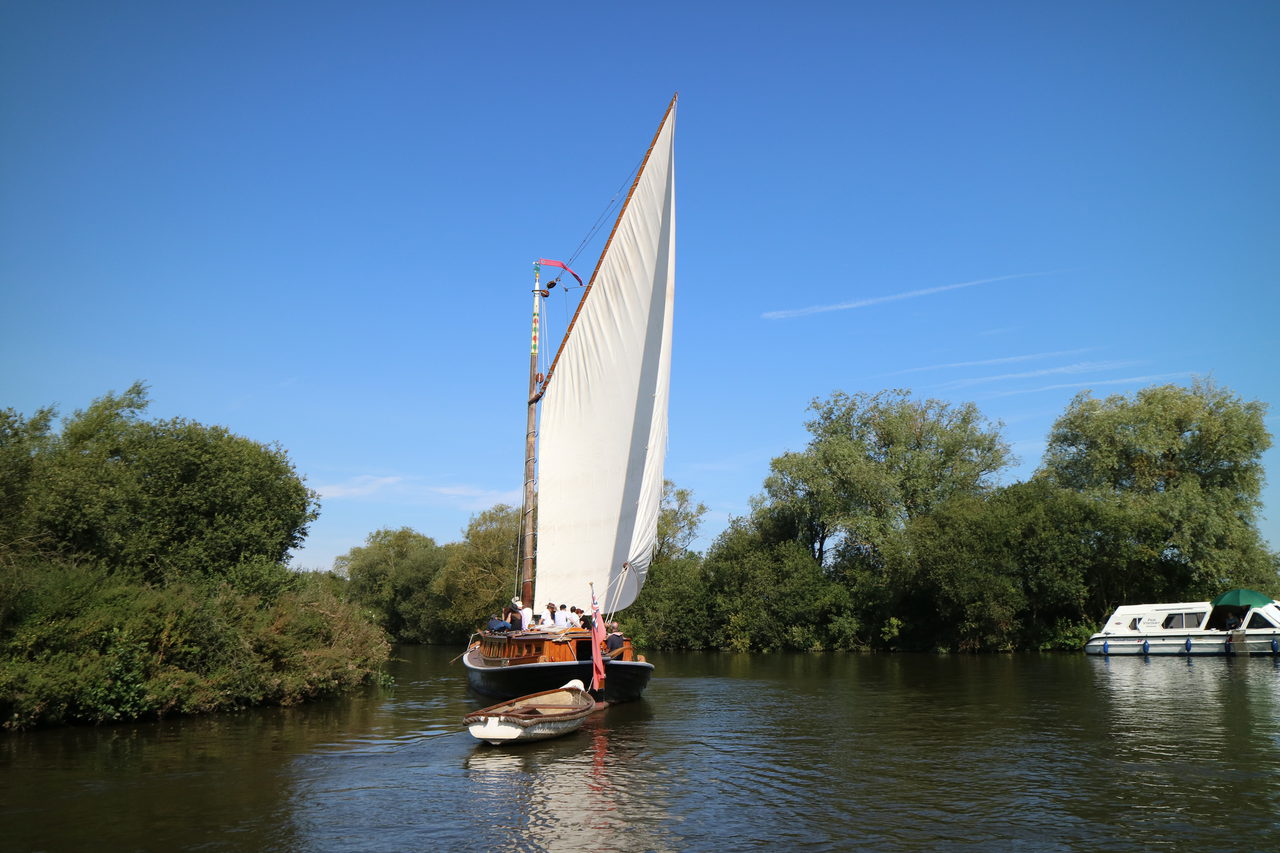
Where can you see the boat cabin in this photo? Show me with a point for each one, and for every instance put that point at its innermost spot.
(518, 647)
(1190, 616)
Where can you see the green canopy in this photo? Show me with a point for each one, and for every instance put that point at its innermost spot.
(1242, 598)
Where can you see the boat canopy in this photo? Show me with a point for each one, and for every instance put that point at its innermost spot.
(1242, 598)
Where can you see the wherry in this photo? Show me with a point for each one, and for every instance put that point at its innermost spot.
(597, 455)
(1239, 622)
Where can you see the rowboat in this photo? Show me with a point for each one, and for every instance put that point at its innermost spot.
(538, 716)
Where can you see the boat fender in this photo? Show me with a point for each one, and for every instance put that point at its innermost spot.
(1275, 645)
(1106, 647)
(1188, 645)
(1146, 647)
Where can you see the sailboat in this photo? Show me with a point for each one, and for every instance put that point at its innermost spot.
(597, 452)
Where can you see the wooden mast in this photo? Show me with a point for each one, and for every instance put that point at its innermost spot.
(530, 449)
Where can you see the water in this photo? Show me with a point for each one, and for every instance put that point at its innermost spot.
(896, 752)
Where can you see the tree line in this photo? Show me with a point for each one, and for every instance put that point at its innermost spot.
(891, 530)
(143, 564)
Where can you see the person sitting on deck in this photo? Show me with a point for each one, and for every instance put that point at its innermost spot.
(512, 615)
(496, 624)
(614, 642)
(562, 616)
(549, 618)
(526, 613)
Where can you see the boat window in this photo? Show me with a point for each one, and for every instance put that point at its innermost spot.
(1257, 620)
(1133, 623)
(1182, 620)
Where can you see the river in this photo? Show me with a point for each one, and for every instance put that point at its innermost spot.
(726, 752)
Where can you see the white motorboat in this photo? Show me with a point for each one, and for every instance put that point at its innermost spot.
(1239, 622)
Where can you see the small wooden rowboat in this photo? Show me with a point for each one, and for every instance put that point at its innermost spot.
(537, 716)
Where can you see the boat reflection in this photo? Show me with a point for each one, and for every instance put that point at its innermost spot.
(569, 794)
(1218, 705)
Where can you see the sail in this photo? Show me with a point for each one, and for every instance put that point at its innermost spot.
(603, 433)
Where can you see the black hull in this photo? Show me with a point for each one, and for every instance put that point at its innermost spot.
(624, 681)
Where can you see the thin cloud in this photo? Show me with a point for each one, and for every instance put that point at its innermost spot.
(1129, 380)
(406, 490)
(357, 487)
(1010, 359)
(877, 300)
(473, 498)
(1078, 367)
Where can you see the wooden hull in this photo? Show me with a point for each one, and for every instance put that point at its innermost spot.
(625, 681)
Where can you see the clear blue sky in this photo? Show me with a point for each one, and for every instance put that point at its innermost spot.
(313, 222)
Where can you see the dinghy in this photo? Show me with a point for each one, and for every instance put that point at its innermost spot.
(538, 716)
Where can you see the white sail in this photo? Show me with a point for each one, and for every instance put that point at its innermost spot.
(603, 433)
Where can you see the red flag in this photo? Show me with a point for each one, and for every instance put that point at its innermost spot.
(550, 263)
(597, 640)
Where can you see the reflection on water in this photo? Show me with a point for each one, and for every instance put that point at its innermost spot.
(897, 752)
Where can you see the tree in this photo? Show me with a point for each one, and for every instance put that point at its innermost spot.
(876, 461)
(479, 575)
(678, 522)
(162, 500)
(21, 441)
(671, 612)
(392, 574)
(1177, 474)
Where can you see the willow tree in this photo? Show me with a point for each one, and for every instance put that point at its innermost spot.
(874, 462)
(1177, 474)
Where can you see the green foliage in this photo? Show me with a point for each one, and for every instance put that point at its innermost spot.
(142, 573)
(773, 597)
(874, 463)
(1176, 475)
(163, 501)
(83, 647)
(479, 573)
(392, 576)
(887, 530)
(422, 592)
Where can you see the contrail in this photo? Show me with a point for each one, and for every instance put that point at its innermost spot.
(876, 300)
(1009, 359)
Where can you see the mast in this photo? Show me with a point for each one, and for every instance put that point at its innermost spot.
(530, 449)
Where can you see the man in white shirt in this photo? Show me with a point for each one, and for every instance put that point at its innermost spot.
(562, 617)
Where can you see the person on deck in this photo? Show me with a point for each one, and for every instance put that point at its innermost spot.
(549, 618)
(584, 619)
(496, 624)
(614, 642)
(562, 617)
(526, 613)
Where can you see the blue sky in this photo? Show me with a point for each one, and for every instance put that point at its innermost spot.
(313, 223)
